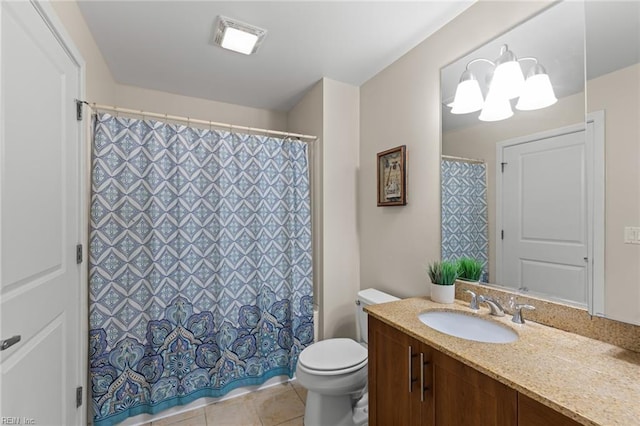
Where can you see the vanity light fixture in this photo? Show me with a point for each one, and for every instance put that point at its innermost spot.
(507, 83)
(237, 36)
(537, 91)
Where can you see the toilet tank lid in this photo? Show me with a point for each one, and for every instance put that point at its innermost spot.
(371, 296)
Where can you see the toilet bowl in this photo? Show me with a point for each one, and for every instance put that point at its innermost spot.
(334, 372)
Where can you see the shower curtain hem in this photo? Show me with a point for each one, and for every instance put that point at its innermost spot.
(187, 399)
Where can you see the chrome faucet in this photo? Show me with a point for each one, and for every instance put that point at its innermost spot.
(473, 303)
(517, 313)
(496, 308)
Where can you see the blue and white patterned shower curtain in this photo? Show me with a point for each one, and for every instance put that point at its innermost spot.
(465, 230)
(200, 264)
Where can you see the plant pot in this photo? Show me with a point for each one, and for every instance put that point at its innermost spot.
(443, 293)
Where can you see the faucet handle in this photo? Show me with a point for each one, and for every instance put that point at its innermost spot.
(517, 312)
(473, 304)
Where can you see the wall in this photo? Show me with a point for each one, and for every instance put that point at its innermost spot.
(330, 110)
(306, 117)
(618, 94)
(99, 82)
(479, 142)
(203, 109)
(401, 105)
(341, 276)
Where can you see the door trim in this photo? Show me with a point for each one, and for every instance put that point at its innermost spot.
(596, 131)
(595, 200)
(58, 30)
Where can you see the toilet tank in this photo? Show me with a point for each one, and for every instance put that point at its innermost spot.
(369, 296)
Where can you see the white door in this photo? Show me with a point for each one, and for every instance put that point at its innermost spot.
(40, 219)
(544, 216)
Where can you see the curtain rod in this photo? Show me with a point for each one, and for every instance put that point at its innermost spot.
(467, 160)
(231, 127)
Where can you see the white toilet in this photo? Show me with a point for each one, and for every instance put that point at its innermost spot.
(334, 372)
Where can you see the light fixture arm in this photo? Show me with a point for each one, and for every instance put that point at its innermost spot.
(529, 58)
(480, 60)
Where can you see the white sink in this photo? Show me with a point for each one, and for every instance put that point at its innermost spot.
(469, 327)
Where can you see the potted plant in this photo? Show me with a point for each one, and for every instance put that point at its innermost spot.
(443, 277)
(469, 269)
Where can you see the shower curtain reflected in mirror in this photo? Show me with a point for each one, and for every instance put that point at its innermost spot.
(465, 231)
(200, 263)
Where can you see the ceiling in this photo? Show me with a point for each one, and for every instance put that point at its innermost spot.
(166, 45)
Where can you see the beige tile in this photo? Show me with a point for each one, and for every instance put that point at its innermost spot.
(300, 390)
(279, 407)
(259, 396)
(199, 420)
(298, 421)
(233, 412)
(175, 420)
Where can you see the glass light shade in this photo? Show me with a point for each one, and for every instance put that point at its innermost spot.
(468, 97)
(508, 80)
(537, 92)
(496, 108)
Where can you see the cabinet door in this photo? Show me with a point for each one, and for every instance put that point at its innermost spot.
(423, 400)
(391, 376)
(464, 396)
(533, 413)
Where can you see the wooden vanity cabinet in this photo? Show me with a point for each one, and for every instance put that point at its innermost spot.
(454, 394)
(464, 396)
(533, 413)
(395, 379)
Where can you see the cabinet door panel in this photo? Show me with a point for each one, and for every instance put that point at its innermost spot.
(533, 413)
(464, 396)
(389, 381)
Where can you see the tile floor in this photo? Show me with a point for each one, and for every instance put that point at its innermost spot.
(279, 405)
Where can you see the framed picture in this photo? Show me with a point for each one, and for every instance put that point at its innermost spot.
(392, 177)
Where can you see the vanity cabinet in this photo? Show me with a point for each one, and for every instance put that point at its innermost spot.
(411, 383)
(400, 391)
(464, 396)
(533, 413)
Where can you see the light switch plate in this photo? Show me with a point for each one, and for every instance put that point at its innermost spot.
(632, 235)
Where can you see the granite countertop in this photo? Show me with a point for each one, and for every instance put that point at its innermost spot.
(592, 382)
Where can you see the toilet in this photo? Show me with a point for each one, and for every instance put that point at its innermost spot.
(334, 372)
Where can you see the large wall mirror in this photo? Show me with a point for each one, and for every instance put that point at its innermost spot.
(523, 180)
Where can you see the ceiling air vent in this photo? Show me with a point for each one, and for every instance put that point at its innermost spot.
(237, 36)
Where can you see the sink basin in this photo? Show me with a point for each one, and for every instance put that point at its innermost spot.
(469, 327)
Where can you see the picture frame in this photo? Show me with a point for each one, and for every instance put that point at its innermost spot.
(392, 177)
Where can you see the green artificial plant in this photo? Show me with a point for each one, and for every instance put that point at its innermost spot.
(443, 273)
(469, 269)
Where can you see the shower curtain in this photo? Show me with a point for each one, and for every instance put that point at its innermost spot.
(200, 263)
(465, 230)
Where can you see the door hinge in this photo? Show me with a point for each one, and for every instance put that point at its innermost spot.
(78, 110)
(79, 256)
(502, 234)
(502, 165)
(78, 396)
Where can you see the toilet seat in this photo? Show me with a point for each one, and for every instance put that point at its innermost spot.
(333, 357)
